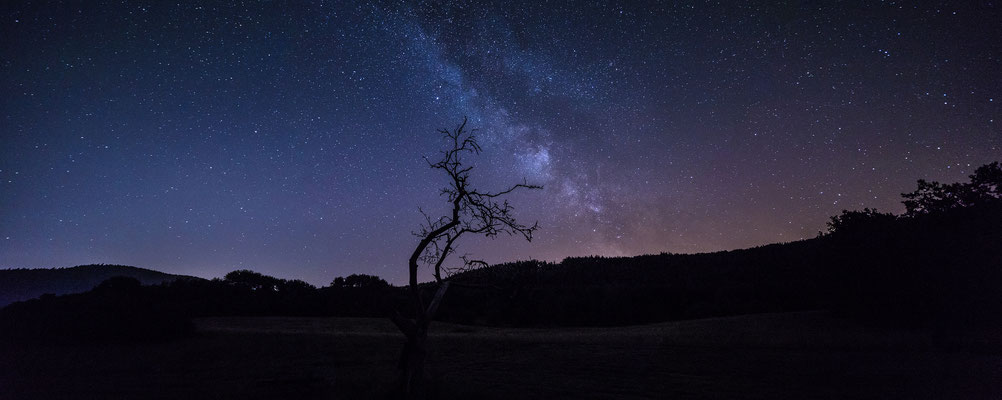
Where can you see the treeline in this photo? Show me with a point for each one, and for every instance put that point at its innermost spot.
(122, 309)
(940, 263)
(636, 290)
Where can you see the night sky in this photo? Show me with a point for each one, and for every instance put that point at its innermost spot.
(287, 137)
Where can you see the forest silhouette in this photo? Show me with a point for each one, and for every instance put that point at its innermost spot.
(936, 265)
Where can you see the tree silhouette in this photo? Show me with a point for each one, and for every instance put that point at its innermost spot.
(473, 212)
(934, 197)
(253, 280)
(359, 281)
(856, 222)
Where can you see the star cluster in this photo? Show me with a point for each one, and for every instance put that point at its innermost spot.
(287, 137)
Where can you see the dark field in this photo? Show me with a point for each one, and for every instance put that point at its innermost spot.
(794, 356)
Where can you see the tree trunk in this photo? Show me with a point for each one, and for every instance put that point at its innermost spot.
(413, 381)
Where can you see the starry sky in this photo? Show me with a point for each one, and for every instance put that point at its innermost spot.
(287, 137)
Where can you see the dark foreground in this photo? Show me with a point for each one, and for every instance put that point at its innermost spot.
(793, 356)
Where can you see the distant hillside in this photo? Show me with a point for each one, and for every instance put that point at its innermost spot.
(23, 284)
(941, 268)
(644, 289)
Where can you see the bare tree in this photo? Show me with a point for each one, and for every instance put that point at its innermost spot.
(472, 212)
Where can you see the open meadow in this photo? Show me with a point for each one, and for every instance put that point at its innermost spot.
(794, 355)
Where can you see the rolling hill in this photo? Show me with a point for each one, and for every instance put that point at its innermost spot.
(23, 284)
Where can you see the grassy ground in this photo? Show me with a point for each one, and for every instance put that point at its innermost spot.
(795, 356)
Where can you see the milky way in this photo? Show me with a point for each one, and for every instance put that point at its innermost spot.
(287, 137)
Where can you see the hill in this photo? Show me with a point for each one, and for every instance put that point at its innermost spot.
(23, 284)
(938, 268)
